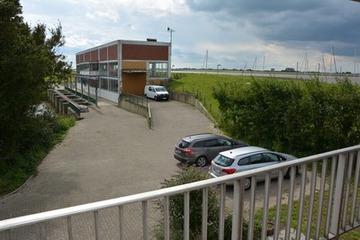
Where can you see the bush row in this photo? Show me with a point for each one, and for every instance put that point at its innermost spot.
(298, 117)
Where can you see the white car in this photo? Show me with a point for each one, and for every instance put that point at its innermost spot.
(248, 158)
(156, 92)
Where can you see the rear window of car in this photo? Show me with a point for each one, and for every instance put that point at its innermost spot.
(223, 161)
(183, 144)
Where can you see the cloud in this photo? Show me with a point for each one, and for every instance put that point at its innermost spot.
(301, 20)
(295, 24)
(232, 31)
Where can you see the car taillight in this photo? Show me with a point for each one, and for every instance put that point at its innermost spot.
(188, 151)
(229, 170)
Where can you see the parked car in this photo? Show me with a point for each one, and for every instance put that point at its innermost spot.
(200, 149)
(156, 92)
(248, 158)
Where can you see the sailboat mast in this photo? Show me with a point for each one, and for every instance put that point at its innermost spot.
(206, 60)
(324, 67)
(355, 62)
(333, 55)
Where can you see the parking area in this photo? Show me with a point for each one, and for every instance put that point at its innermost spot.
(110, 153)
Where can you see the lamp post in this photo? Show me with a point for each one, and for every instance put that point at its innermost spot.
(169, 64)
(217, 68)
(171, 32)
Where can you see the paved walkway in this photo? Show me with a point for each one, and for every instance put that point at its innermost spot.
(108, 154)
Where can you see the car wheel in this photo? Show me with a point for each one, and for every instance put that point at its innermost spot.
(155, 98)
(288, 172)
(201, 161)
(247, 183)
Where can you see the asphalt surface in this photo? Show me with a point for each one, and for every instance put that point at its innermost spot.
(108, 154)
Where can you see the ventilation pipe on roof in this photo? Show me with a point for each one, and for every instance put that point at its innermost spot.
(151, 39)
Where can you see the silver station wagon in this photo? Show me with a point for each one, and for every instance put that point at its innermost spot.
(200, 149)
(247, 158)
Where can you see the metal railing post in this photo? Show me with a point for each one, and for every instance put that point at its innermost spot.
(338, 196)
(332, 196)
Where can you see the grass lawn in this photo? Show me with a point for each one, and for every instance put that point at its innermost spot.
(202, 85)
(354, 234)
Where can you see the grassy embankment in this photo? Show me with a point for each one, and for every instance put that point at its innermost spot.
(201, 85)
(43, 134)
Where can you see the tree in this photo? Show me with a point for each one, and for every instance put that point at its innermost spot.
(29, 66)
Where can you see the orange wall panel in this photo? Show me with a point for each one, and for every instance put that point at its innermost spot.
(94, 56)
(144, 52)
(78, 59)
(134, 65)
(134, 83)
(103, 54)
(87, 57)
(113, 52)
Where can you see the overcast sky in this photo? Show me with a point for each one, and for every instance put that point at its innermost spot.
(251, 34)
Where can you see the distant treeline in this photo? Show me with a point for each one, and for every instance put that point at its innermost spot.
(287, 70)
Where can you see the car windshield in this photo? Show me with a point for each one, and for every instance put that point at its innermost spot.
(183, 144)
(223, 161)
(160, 89)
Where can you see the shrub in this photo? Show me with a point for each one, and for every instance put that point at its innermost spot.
(176, 209)
(35, 138)
(177, 76)
(63, 124)
(299, 117)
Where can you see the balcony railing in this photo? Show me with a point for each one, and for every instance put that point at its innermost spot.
(323, 202)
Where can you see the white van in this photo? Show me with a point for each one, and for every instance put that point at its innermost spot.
(156, 92)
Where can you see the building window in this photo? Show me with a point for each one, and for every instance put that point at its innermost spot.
(104, 84)
(113, 85)
(103, 69)
(94, 67)
(157, 70)
(84, 81)
(113, 69)
(83, 69)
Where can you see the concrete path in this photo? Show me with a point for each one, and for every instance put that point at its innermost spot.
(110, 153)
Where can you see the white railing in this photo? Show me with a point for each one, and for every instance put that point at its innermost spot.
(322, 202)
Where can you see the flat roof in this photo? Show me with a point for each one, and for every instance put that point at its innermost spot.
(121, 41)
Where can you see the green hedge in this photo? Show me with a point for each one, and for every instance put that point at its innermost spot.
(298, 117)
